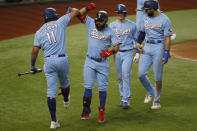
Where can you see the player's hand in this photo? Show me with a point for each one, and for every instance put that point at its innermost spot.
(91, 6)
(106, 53)
(165, 56)
(139, 47)
(136, 58)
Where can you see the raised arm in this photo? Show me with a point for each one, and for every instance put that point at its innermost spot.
(82, 12)
(73, 12)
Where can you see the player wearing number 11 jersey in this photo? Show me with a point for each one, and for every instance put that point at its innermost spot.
(51, 39)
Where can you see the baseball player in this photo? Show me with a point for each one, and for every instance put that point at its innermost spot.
(126, 30)
(140, 14)
(51, 39)
(156, 31)
(139, 22)
(96, 67)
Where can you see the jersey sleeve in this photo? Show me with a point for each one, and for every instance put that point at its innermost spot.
(142, 28)
(88, 21)
(167, 28)
(114, 38)
(111, 25)
(135, 33)
(36, 40)
(64, 20)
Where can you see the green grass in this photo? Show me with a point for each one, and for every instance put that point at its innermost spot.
(23, 100)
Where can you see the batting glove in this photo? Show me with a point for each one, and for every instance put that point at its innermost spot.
(106, 53)
(136, 58)
(91, 6)
(173, 36)
(166, 56)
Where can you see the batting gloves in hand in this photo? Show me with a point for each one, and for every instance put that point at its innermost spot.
(166, 56)
(106, 53)
(91, 6)
(136, 58)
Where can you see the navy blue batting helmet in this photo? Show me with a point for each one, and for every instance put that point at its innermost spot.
(121, 8)
(50, 13)
(101, 16)
(151, 4)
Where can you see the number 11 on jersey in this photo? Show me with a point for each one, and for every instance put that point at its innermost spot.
(51, 37)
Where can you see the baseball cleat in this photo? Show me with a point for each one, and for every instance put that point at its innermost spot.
(148, 98)
(156, 105)
(85, 116)
(126, 105)
(67, 103)
(101, 117)
(54, 125)
(121, 104)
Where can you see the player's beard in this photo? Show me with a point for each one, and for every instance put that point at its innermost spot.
(101, 27)
(150, 14)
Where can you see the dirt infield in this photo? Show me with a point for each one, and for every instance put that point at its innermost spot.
(185, 50)
(23, 20)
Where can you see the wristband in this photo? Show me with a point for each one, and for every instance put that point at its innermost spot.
(166, 53)
(69, 10)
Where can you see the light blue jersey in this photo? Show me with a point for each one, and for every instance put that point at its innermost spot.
(95, 67)
(140, 4)
(99, 40)
(127, 32)
(140, 14)
(157, 28)
(51, 36)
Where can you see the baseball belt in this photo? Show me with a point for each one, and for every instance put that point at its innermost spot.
(61, 55)
(153, 41)
(96, 59)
